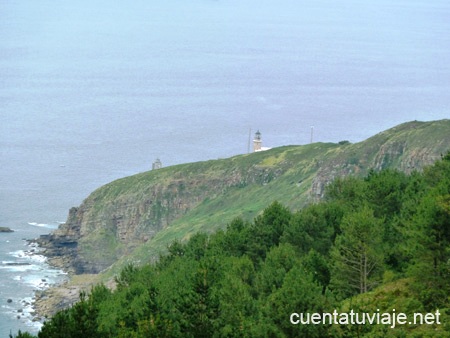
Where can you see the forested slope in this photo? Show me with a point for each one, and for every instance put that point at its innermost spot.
(373, 244)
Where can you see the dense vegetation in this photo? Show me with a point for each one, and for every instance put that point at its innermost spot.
(373, 244)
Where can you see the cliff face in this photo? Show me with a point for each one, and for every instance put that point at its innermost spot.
(122, 215)
(149, 210)
(407, 147)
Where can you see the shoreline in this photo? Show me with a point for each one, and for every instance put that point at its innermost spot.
(60, 296)
(50, 296)
(31, 270)
(46, 302)
(35, 250)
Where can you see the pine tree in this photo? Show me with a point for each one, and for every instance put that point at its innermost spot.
(357, 255)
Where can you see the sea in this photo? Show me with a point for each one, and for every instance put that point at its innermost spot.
(95, 90)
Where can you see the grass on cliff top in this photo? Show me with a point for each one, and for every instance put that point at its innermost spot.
(299, 166)
(411, 133)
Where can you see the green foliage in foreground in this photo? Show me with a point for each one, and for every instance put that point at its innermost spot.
(374, 244)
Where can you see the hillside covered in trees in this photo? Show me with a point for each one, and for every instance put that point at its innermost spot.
(374, 244)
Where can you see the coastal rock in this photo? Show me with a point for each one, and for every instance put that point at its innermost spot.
(61, 246)
(47, 302)
(6, 229)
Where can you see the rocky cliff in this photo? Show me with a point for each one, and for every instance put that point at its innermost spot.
(139, 215)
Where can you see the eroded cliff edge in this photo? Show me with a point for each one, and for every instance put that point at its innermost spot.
(138, 215)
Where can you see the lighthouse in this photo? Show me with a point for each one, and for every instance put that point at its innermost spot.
(257, 142)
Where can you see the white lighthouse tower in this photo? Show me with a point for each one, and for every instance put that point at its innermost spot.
(257, 142)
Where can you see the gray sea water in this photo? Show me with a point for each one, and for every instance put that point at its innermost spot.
(91, 91)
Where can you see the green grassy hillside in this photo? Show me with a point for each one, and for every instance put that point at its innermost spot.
(135, 218)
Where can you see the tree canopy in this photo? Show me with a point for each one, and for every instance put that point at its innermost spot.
(367, 236)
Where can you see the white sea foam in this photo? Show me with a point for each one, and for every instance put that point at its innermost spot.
(18, 253)
(44, 225)
(29, 261)
(29, 256)
(20, 268)
(7, 262)
(38, 258)
(37, 282)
